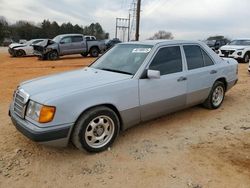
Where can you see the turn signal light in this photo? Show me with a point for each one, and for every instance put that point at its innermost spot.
(47, 114)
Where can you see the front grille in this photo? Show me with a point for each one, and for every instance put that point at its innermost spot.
(227, 52)
(20, 101)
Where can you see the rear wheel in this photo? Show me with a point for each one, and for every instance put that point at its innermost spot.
(53, 55)
(96, 129)
(216, 96)
(94, 52)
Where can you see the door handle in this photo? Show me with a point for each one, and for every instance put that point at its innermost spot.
(182, 79)
(213, 71)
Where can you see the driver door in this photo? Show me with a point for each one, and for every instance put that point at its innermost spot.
(66, 46)
(168, 93)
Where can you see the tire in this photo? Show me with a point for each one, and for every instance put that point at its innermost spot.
(85, 54)
(246, 57)
(20, 53)
(216, 96)
(53, 55)
(96, 129)
(94, 52)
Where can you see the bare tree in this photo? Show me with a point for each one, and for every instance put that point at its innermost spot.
(162, 35)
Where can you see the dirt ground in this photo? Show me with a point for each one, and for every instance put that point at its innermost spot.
(193, 148)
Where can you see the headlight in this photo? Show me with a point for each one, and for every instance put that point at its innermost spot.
(39, 112)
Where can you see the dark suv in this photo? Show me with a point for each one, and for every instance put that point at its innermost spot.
(216, 44)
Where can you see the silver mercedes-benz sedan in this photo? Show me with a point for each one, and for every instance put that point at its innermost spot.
(131, 83)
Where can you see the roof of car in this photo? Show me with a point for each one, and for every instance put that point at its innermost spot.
(71, 34)
(241, 39)
(163, 42)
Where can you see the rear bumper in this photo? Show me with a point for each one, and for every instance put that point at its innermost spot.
(231, 84)
(38, 134)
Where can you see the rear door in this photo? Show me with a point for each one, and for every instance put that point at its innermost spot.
(201, 74)
(79, 44)
(167, 94)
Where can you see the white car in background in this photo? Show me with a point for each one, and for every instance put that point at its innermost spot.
(238, 49)
(26, 49)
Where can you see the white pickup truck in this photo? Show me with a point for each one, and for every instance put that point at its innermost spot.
(238, 49)
(68, 44)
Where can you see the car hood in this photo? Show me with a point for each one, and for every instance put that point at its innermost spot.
(45, 88)
(232, 47)
(15, 45)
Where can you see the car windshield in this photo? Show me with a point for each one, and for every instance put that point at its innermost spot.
(124, 58)
(240, 42)
(57, 39)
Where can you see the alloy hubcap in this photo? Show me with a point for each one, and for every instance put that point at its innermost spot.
(99, 131)
(218, 95)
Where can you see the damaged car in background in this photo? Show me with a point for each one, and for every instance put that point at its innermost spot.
(132, 83)
(69, 44)
(23, 49)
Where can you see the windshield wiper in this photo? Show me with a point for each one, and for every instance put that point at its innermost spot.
(118, 71)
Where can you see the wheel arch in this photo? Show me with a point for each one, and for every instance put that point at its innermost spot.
(108, 105)
(223, 80)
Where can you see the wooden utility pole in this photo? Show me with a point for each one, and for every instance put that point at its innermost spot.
(138, 12)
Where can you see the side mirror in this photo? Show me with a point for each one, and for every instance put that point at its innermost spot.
(153, 74)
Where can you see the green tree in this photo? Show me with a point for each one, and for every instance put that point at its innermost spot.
(4, 32)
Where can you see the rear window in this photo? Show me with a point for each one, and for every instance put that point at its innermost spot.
(77, 39)
(194, 56)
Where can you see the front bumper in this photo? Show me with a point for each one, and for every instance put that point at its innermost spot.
(236, 55)
(11, 51)
(38, 134)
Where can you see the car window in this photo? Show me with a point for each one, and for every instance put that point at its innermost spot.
(66, 40)
(77, 39)
(167, 60)
(194, 56)
(207, 60)
(87, 38)
(37, 41)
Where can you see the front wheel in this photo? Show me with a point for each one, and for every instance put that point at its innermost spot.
(53, 55)
(20, 53)
(246, 57)
(96, 129)
(94, 52)
(216, 96)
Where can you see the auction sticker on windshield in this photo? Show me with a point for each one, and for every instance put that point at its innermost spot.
(141, 50)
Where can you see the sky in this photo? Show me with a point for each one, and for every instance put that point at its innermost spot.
(186, 19)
